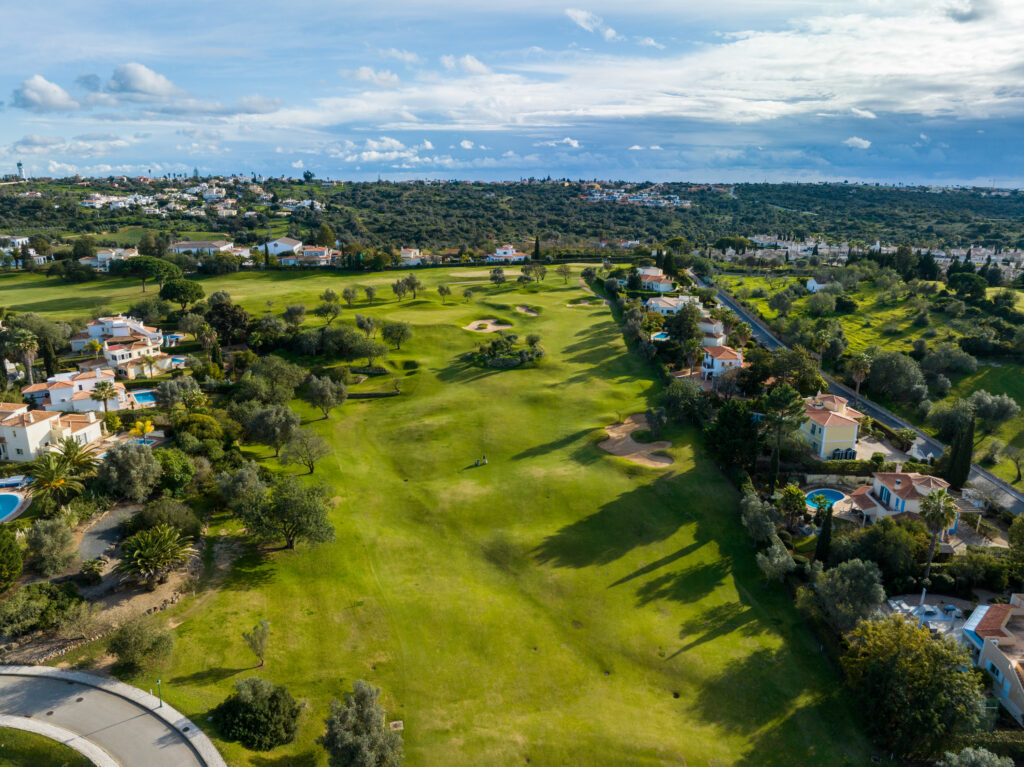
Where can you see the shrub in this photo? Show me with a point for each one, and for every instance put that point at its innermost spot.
(49, 541)
(165, 511)
(38, 606)
(10, 558)
(91, 571)
(259, 714)
(140, 643)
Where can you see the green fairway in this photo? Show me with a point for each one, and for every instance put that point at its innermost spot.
(25, 749)
(558, 604)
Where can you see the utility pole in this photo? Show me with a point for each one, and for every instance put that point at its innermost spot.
(159, 694)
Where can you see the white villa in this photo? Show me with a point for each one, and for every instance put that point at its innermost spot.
(713, 330)
(199, 247)
(666, 305)
(994, 635)
(118, 327)
(652, 278)
(131, 357)
(101, 261)
(410, 257)
(24, 433)
(310, 255)
(283, 245)
(814, 286)
(506, 254)
(895, 492)
(72, 392)
(718, 360)
(831, 426)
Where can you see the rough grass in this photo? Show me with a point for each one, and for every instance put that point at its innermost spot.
(22, 749)
(559, 604)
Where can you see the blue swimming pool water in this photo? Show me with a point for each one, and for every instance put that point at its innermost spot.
(145, 395)
(178, 360)
(8, 503)
(660, 336)
(832, 495)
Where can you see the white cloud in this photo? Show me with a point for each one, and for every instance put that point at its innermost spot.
(448, 62)
(635, 148)
(40, 95)
(402, 55)
(383, 78)
(650, 42)
(569, 142)
(473, 65)
(654, 148)
(140, 79)
(856, 142)
(584, 19)
(591, 22)
(84, 145)
(466, 143)
(867, 114)
(297, 164)
(426, 145)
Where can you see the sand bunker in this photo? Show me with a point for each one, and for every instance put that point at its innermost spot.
(486, 326)
(620, 442)
(526, 310)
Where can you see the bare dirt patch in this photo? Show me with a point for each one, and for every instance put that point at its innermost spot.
(486, 326)
(522, 308)
(620, 442)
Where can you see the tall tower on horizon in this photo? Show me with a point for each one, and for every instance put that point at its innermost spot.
(21, 172)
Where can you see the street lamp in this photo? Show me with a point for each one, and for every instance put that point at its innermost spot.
(159, 694)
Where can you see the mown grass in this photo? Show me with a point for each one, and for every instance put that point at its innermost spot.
(870, 326)
(558, 604)
(26, 749)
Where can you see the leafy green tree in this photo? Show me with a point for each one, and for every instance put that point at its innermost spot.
(325, 394)
(357, 735)
(10, 558)
(734, 437)
(139, 643)
(182, 292)
(371, 293)
(329, 310)
(565, 272)
(1015, 456)
(130, 471)
(292, 511)
(49, 544)
(844, 595)
(325, 237)
(147, 268)
(228, 320)
(898, 376)
(783, 411)
(257, 639)
(259, 715)
(793, 503)
(781, 303)
(294, 315)
(273, 425)
(242, 487)
(395, 333)
(913, 684)
(758, 517)
(306, 447)
(498, 275)
(164, 511)
(684, 400)
(938, 509)
(775, 561)
(177, 470)
(150, 554)
(444, 291)
(83, 247)
(1016, 535)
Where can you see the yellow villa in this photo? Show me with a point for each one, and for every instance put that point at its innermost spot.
(831, 427)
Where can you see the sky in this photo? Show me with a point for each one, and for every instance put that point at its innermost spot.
(891, 91)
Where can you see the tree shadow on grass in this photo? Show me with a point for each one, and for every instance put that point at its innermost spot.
(639, 517)
(687, 585)
(210, 675)
(549, 447)
(310, 758)
(717, 622)
(251, 570)
(462, 371)
(666, 560)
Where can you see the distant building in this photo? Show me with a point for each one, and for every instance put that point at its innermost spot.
(718, 360)
(103, 258)
(200, 247)
(896, 492)
(506, 254)
(283, 245)
(814, 286)
(118, 328)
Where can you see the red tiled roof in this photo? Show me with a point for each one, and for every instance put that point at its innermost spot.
(722, 352)
(862, 499)
(991, 623)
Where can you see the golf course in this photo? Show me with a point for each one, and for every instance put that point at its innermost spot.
(556, 605)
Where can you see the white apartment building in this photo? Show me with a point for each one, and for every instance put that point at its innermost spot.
(72, 392)
(118, 327)
(25, 434)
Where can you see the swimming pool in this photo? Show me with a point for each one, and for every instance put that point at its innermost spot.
(144, 396)
(833, 496)
(178, 360)
(662, 336)
(9, 502)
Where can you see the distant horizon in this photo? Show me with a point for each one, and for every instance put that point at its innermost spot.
(741, 91)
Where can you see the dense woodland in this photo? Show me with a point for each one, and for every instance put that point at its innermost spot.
(475, 215)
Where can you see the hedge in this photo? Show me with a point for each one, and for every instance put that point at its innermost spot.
(1002, 742)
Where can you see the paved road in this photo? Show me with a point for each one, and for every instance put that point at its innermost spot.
(1004, 494)
(98, 538)
(127, 730)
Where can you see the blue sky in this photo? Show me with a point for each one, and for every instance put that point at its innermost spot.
(876, 90)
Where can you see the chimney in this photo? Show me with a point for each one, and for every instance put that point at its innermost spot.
(899, 469)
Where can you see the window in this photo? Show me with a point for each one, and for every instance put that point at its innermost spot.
(19, 451)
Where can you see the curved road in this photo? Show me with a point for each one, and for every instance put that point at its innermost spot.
(123, 721)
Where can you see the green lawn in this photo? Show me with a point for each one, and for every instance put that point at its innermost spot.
(25, 749)
(558, 605)
(867, 327)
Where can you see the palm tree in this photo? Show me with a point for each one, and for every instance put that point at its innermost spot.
(691, 350)
(859, 367)
(149, 361)
(142, 428)
(149, 554)
(81, 459)
(103, 392)
(53, 480)
(938, 509)
(26, 345)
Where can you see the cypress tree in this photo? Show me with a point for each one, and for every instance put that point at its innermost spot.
(824, 543)
(216, 356)
(536, 248)
(961, 452)
(49, 358)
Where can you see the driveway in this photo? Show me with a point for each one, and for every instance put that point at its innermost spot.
(106, 532)
(122, 720)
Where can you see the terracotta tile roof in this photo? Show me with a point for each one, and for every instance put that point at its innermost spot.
(11, 407)
(862, 499)
(35, 387)
(826, 417)
(909, 481)
(991, 623)
(93, 374)
(722, 352)
(29, 418)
